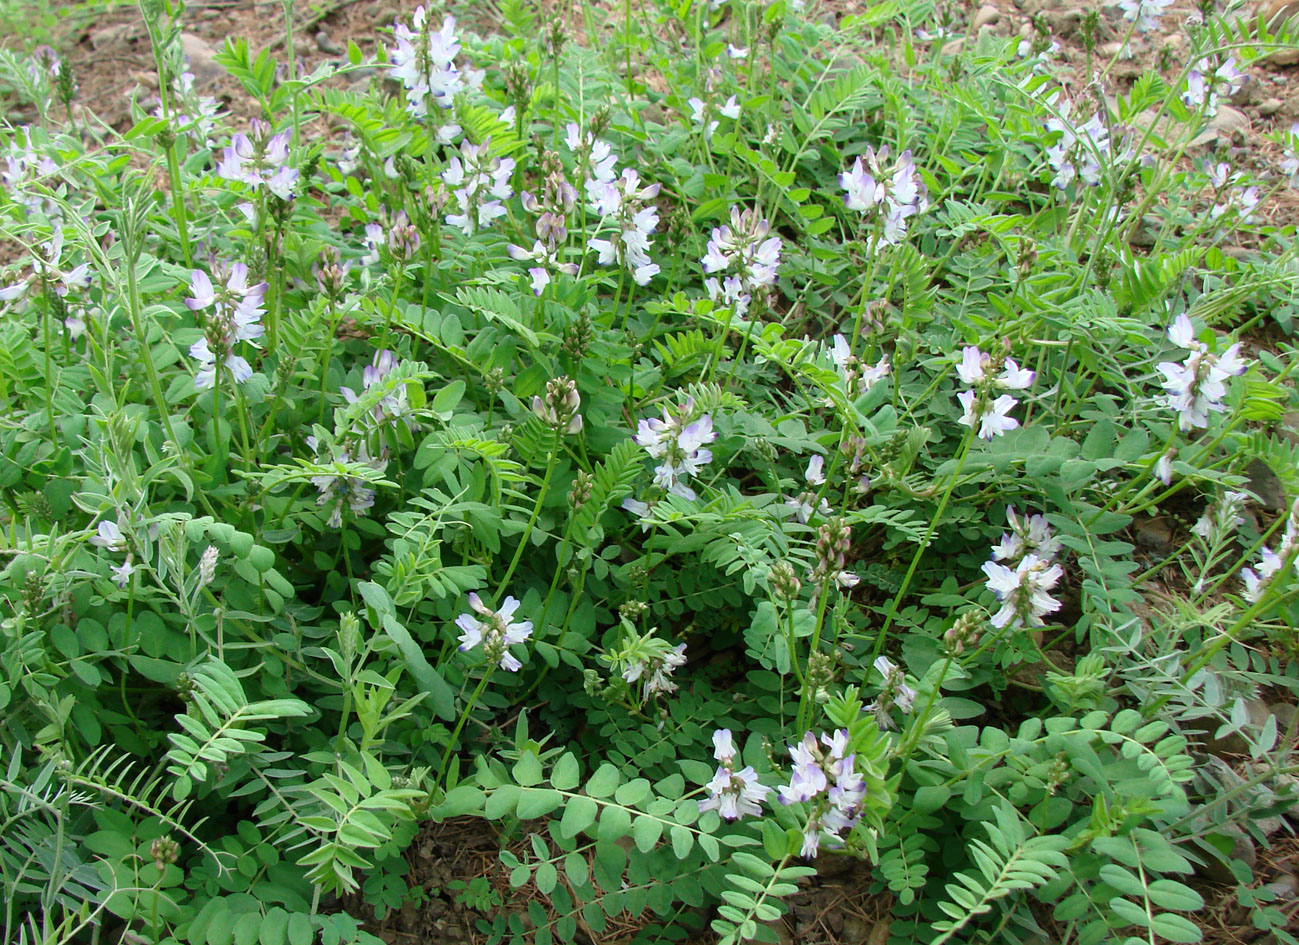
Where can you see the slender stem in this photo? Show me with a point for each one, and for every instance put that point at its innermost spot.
(293, 69)
(536, 512)
(805, 690)
(961, 456)
(464, 717)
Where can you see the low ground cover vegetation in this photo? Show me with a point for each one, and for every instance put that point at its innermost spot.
(694, 442)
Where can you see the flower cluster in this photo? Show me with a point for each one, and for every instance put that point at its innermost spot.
(895, 693)
(1203, 89)
(980, 407)
(482, 184)
(1144, 13)
(678, 442)
(595, 159)
(653, 661)
(805, 505)
(235, 315)
(1030, 535)
(1021, 572)
(200, 111)
(746, 257)
(833, 542)
(824, 776)
(109, 536)
(857, 379)
(624, 203)
(1221, 518)
(1196, 387)
(895, 193)
(260, 159)
(341, 490)
(424, 61)
(551, 207)
(48, 271)
(495, 632)
(733, 794)
(1270, 562)
(701, 113)
(1081, 151)
(393, 407)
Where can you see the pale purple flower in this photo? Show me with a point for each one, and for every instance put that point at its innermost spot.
(679, 443)
(744, 250)
(122, 572)
(1023, 591)
(424, 61)
(1029, 535)
(108, 535)
(1221, 518)
(896, 193)
(1196, 387)
(823, 775)
(495, 632)
(623, 205)
(235, 315)
(657, 671)
(341, 490)
(394, 407)
(980, 407)
(481, 184)
(192, 114)
(894, 692)
(260, 159)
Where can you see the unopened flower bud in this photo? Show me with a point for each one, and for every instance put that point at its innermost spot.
(580, 494)
(164, 851)
(784, 582)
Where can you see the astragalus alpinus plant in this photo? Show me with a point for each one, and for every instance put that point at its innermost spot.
(699, 452)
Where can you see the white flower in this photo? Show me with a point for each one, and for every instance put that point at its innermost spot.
(733, 794)
(496, 632)
(1145, 13)
(1196, 387)
(122, 572)
(1031, 535)
(109, 536)
(1023, 591)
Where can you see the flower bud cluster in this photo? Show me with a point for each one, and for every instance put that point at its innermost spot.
(894, 693)
(559, 409)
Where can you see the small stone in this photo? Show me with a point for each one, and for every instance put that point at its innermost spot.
(145, 78)
(953, 47)
(1224, 126)
(385, 16)
(110, 35)
(1276, 12)
(1218, 871)
(1285, 887)
(987, 15)
(856, 930)
(780, 929)
(1269, 107)
(327, 45)
(202, 58)
(834, 864)
(1155, 535)
(1265, 484)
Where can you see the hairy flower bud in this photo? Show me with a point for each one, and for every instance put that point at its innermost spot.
(164, 851)
(784, 582)
(580, 494)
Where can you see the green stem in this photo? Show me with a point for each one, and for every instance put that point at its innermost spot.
(532, 521)
(464, 717)
(961, 456)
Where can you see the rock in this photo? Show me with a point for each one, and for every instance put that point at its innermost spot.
(856, 930)
(1218, 871)
(1269, 107)
(1248, 94)
(145, 78)
(1288, 428)
(1234, 743)
(1285, 714)
(1285, 887)
(110, 35)
(986, 16)
(953, 47)
(327, 45)
(781, 930)
(1265, 484)
(385, 16)
(1276, 12)
(1155, 535)
(1065, 23)
(834, 864)
(202, 58)
(1224, 126)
